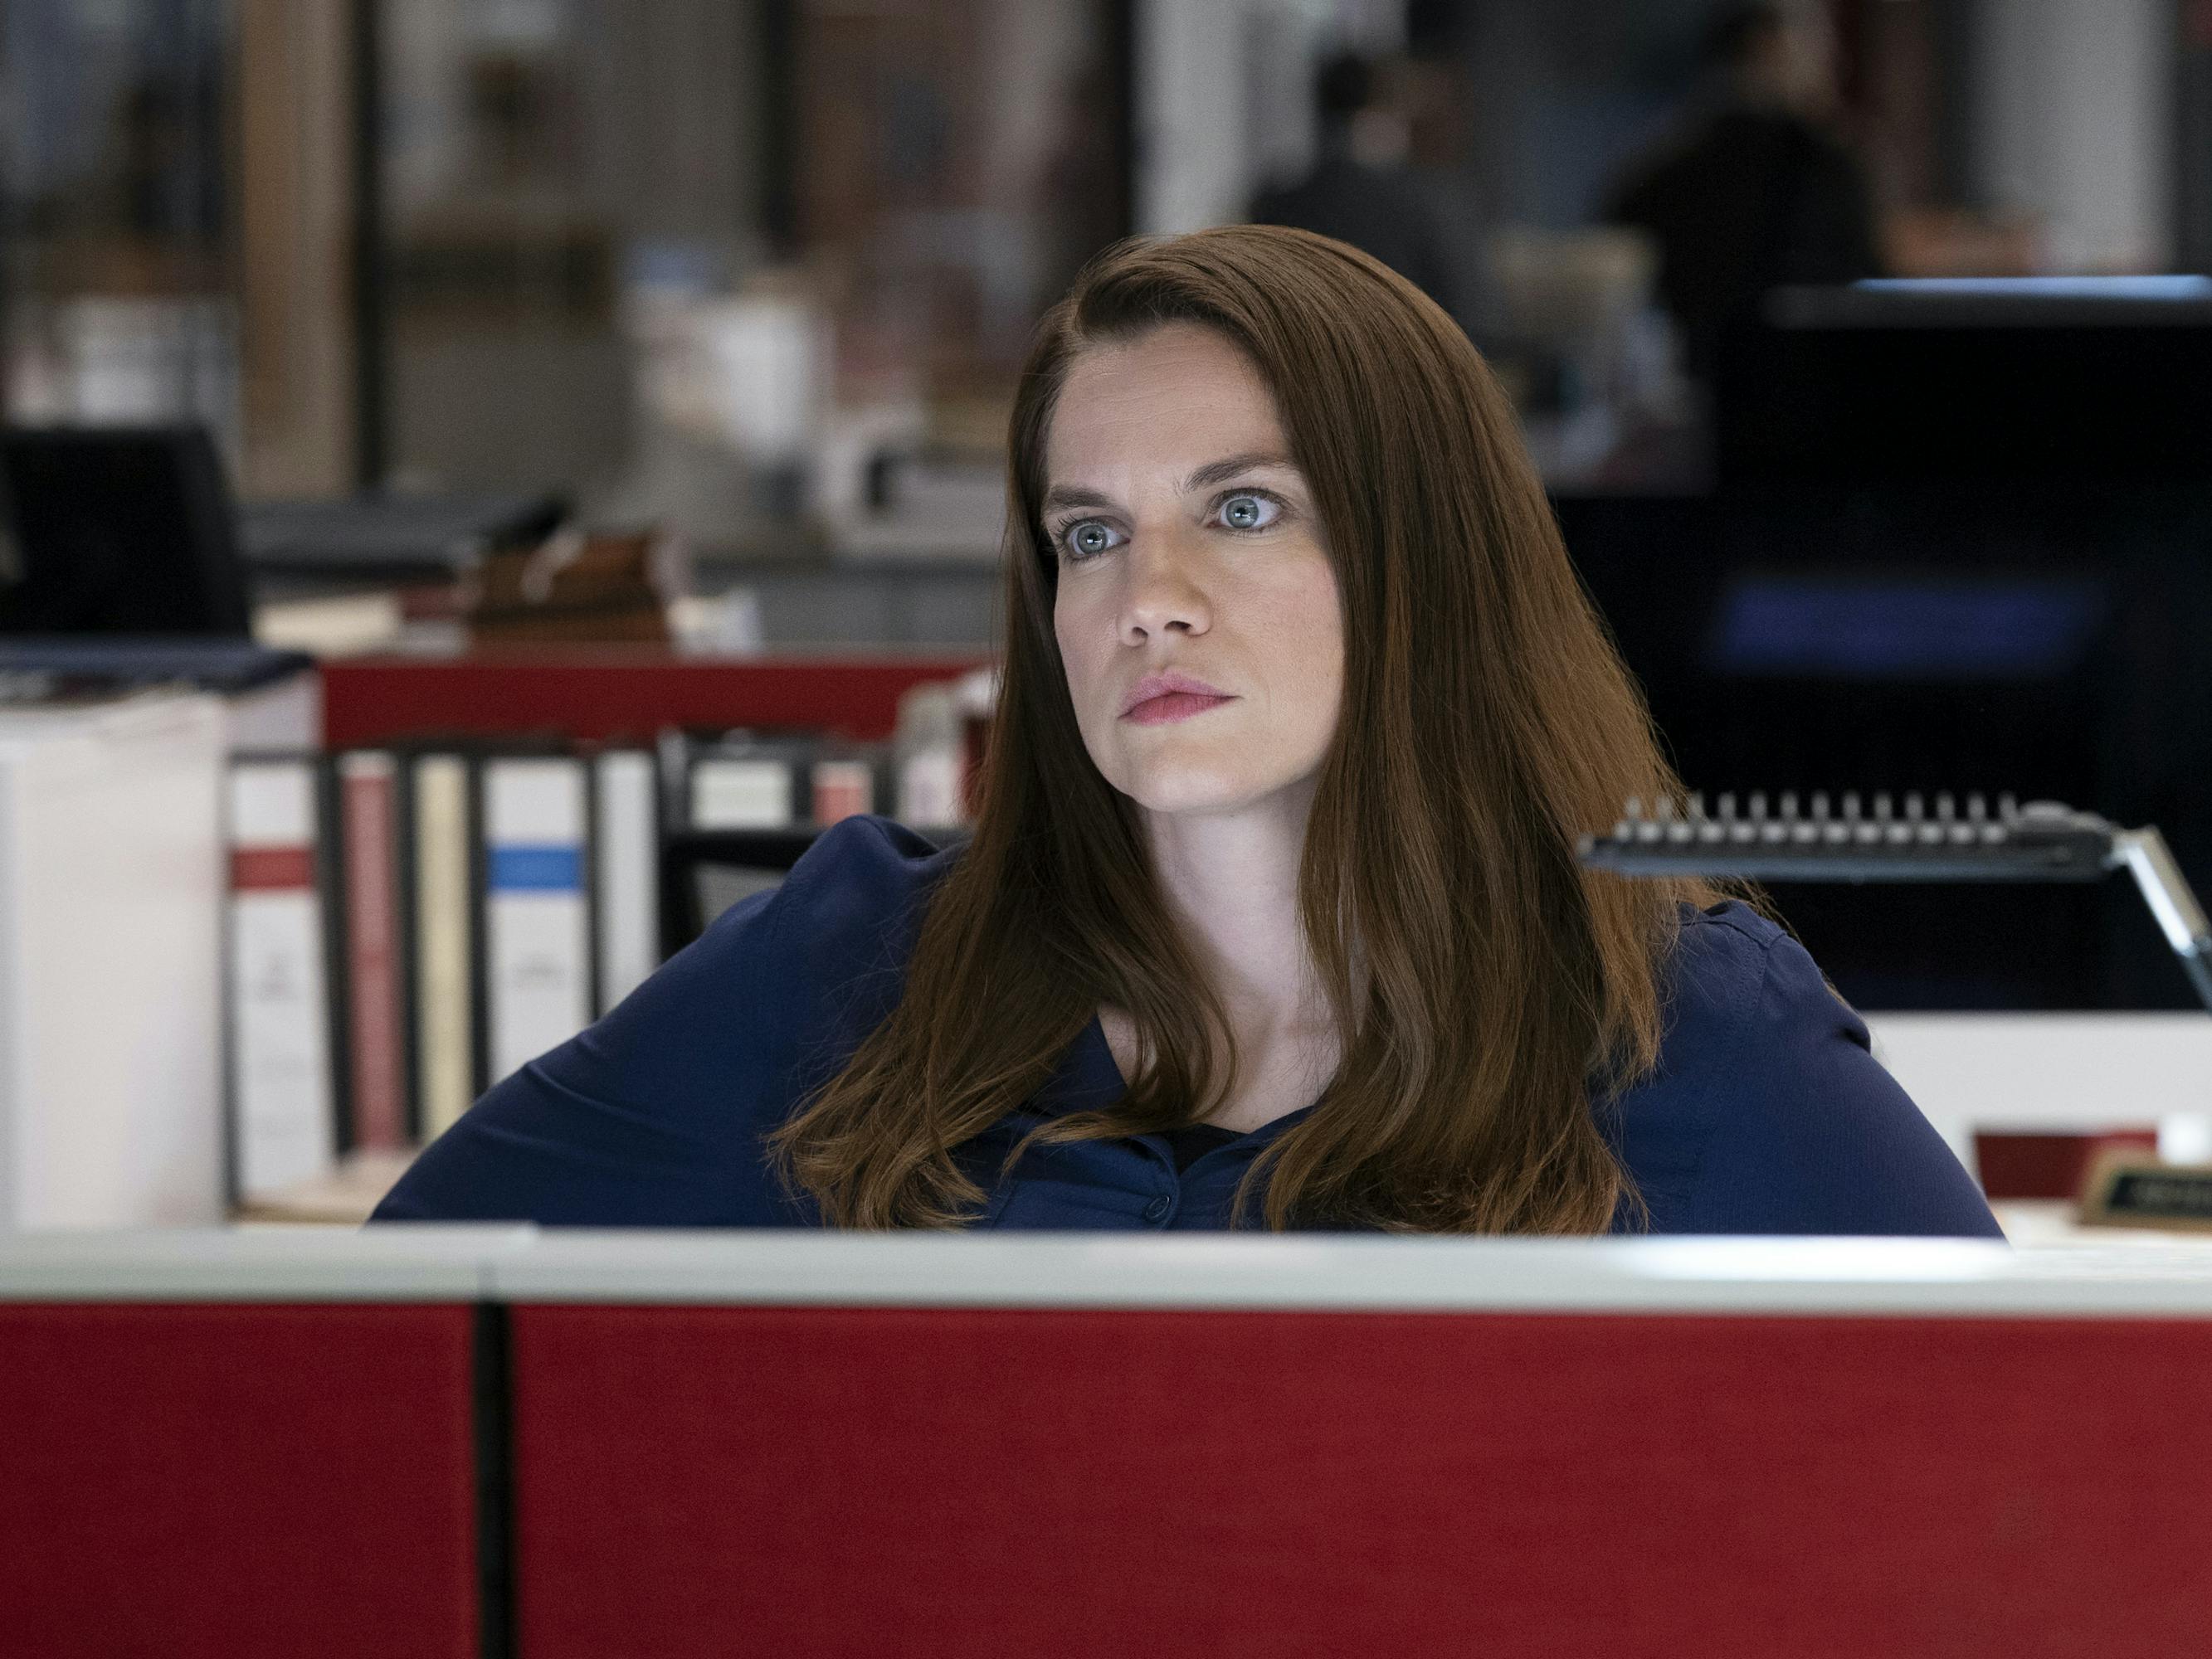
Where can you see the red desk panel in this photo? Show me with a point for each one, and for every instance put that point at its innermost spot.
(188, 1480)
(790, 1481)
(613, 692)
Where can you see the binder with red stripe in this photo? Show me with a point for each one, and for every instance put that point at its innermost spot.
(281, 1111)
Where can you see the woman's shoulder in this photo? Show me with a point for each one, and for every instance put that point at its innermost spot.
(1768, 1112)
(863, 875)
(1734, 968)
(1718, 952)
(1718, 990)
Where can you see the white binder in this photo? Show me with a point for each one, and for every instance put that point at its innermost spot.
(741, 792)
(281, 1110)
(628, 862)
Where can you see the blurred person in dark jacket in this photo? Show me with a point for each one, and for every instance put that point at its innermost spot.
(1754, 190)
(1360, 189)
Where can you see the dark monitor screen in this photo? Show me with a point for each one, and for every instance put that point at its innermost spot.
(119, 531)
(2086, 380)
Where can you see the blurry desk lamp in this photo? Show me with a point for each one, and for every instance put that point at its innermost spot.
(2040, 842)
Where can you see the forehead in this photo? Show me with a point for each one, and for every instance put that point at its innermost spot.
(1175, 396)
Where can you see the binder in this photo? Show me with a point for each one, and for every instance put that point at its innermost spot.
(281, 1106)
(537, 962)
(442, 904)
(842, 788)
(377, 1095)
(625, 847)
(747, 789)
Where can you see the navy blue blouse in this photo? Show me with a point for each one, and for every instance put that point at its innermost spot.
(1766, 1114)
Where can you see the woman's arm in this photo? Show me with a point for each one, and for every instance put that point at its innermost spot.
(654, 1117)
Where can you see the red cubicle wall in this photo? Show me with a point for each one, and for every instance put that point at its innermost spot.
(618, 692)
(239, 1480)
(719, 1481)
(232, 1481)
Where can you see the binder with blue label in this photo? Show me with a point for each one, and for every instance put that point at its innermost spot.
(538, 930)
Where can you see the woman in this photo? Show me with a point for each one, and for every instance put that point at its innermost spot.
(1272, 915)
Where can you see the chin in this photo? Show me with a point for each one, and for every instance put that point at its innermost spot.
(1194, 788)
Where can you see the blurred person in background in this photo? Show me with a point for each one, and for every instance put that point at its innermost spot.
(1754, 189)
(1360, 189)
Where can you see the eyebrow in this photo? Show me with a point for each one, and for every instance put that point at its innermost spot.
(1213, 472)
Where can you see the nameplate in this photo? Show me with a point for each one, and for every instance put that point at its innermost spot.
(2128, 1189)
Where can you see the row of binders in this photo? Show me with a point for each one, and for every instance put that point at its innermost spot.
(409, 926)
(406, 927)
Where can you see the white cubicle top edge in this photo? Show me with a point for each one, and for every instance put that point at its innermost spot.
(1910, 1276)
(257, 1264)
(1684, 1275)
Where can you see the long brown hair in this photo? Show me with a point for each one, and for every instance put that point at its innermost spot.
(1489, 992)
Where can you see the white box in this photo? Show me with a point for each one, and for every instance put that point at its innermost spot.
(112, 885)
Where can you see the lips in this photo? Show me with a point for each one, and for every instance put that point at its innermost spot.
(1157, 699)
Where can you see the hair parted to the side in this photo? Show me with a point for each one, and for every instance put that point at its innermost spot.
(1491, 994)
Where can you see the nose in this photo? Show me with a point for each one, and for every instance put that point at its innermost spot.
(1162, 595)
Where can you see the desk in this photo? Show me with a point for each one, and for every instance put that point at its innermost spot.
(799, 1444)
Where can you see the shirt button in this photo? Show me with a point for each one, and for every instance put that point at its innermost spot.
(1158, 1208)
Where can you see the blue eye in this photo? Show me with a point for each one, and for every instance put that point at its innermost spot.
(1248, 512)
(1086, 538)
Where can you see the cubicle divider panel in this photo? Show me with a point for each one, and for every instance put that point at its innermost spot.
(830, 1481)
(590, 693)
(194, 1479)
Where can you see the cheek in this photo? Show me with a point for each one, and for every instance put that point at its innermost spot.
(1309, 627)
(1078, 645)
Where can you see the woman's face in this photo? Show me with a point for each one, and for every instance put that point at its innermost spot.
(1196, 608)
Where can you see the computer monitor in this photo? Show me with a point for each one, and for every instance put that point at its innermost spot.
(2078, 381)
(119, 530)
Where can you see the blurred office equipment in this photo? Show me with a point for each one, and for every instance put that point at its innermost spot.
(271, 699)
(119, 530)
(390, 538)
(112, 897)
(1593, 363)
(602, 586)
